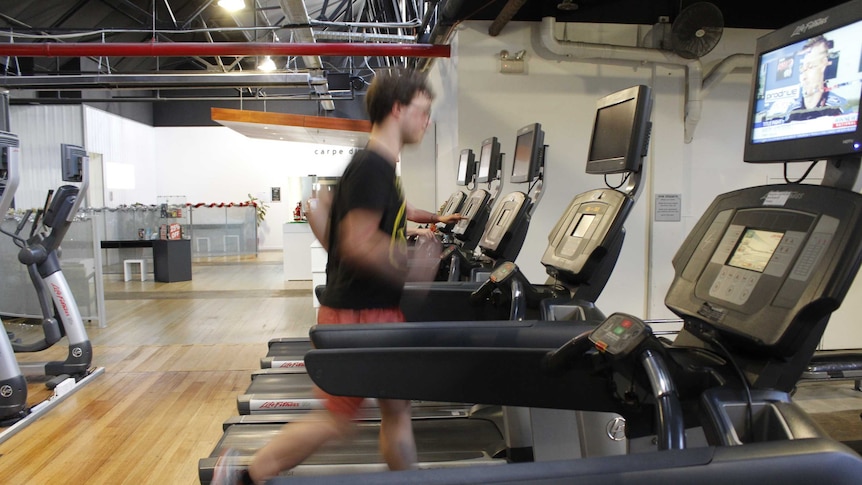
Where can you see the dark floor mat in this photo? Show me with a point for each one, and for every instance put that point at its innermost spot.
(844, 426)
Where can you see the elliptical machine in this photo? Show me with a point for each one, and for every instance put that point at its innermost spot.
(13, 386)
(61, 317)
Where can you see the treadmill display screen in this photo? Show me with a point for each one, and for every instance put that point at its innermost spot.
(503, 217)
(755, 249)
(584, 223)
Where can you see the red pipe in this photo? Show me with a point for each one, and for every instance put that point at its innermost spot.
(186, 49)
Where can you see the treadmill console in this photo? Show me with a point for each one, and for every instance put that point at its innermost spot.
(473, 216)
(590, 223)
(502, 238)
(759, 256)
(452, 206)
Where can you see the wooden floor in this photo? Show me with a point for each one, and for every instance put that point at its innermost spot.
(176, 355)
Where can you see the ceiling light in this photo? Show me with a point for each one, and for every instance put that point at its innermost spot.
(266, 65)
(231, 5)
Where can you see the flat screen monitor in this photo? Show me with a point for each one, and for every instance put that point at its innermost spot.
(620, 131)
(72, 158)
(466, 167)
(804, 103)
(529, 153)
(489, 161)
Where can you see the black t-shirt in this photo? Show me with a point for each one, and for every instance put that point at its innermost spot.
(368, 182)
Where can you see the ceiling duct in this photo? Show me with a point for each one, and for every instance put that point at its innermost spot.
(296, 14)
(448, 16)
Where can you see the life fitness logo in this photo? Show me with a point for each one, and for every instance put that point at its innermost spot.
(802, 28)
(279, 405)
(6, 391)
(292, 364)
(616, 428)
(62, 301)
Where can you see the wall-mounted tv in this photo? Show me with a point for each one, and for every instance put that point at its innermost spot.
(489, 161)
(466, 167)
(804, 103)
(529, 153)
(72, 162)
(620, 131)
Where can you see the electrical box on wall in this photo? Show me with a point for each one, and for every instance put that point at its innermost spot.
(512, 63)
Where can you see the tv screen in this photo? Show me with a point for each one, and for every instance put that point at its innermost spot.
(72, 158)
(466, 167)
(529, 151)
(620, 131)
(489, 160)
(807, 83)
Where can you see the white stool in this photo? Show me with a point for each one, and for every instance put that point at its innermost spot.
(230, 237)
(127, 268)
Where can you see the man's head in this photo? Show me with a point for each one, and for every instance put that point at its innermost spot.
(405, 94)
(815, 58)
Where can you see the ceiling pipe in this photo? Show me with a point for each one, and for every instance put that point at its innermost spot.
(187, 49)
(694, 69)
(725, 67)
(506, 13)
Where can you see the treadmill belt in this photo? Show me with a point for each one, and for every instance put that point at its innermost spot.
(438, 441)
(286, 354)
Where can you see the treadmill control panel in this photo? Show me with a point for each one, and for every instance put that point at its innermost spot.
(503, 271)
(586, 226)
(507, 214)
(756, 259)
(619, 334)
(471, 208)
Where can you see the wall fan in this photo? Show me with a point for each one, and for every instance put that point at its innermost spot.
(696, 30)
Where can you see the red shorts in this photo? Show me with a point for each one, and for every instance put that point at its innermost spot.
(342, 405)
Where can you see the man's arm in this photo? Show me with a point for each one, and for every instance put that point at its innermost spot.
(423, 216)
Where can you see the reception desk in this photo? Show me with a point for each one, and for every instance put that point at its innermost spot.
(172, 259)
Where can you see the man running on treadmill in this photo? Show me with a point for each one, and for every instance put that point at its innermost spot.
(365, 236)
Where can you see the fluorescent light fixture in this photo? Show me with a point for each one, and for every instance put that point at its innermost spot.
(266, 65)
(231, 5)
